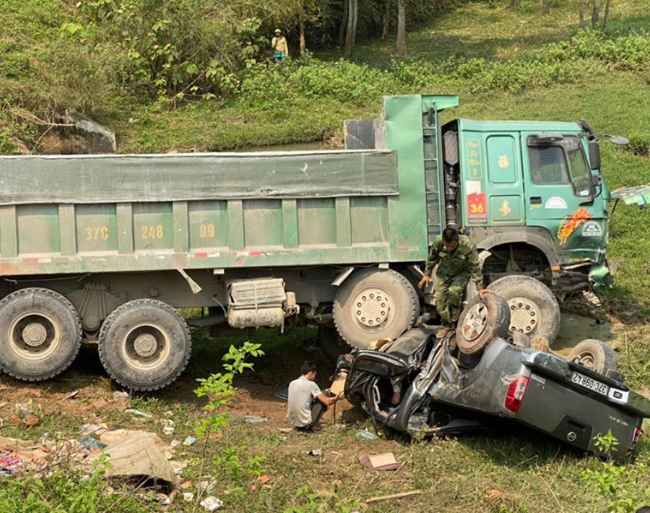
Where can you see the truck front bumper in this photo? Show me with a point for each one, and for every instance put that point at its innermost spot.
(600, 278)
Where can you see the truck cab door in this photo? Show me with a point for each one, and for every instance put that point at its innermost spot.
(560, 194)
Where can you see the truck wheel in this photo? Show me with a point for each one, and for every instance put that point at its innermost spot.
(144, 344)
(534, 311)
(40, 334)
(331, 342)
(595, 355)
(373, 304)
(481, 322)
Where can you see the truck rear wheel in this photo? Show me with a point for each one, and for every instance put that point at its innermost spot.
(40, 334)
(373, 304)
(534, 311)
(144, 345)
(331, 342)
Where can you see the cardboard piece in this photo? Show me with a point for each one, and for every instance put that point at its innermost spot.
(378, 462)
(137, 455)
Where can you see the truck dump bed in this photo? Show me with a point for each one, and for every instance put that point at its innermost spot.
(67, 214)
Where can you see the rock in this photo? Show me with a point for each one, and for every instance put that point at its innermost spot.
(78, 135)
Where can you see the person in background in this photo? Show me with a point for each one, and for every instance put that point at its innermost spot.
(306, 402)
(279, 46)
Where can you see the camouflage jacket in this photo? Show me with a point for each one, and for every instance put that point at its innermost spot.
(463, 260)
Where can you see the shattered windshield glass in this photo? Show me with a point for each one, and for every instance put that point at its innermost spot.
(578, 167)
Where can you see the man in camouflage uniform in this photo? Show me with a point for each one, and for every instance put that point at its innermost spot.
(457, 259)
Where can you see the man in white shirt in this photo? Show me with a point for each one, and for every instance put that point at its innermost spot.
(307, 402)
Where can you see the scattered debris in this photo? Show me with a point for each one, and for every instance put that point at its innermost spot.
(378, 462)
(24, 409)
(169, 427)
(364, 434)
(178, 466)
(139, 413)
(206, 486)
(71, 395)
(188, 496)
(91, 444)
(31, 421)
(314, 452)
(393, 496)
(211, 503)
(283, 394)
(285, 430)
(263, 479)
(137, 455)
(120, 396)
(379, 343)
(255, 419)
(174, 443)
(189, 441)
(93, 429)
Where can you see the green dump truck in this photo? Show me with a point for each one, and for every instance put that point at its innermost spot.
(106, 248)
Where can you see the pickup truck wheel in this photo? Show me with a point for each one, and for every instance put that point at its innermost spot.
(481, 322)
(595, 355)
(534, 311)
(40, 334)
(144, 345)
(374, 304)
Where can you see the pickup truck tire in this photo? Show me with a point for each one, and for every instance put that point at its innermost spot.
(144, 345)
(40, 334)
(594, 355)
(534, 310)
(374, 304)
(481, 322)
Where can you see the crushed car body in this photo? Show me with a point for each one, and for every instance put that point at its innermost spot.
(443, 391)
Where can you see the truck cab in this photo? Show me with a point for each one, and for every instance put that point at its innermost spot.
(531, 199)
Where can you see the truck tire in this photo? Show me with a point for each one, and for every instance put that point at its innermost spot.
(40, 334)
(331, 342)
(534, 311)
(373, 304)
(481, 322)
(144, 345)
(595, 355)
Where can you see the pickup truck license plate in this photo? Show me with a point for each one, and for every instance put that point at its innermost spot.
(589, 383)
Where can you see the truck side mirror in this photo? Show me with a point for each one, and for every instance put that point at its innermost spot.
(594, 155)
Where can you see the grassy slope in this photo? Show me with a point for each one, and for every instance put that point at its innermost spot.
(519, 471)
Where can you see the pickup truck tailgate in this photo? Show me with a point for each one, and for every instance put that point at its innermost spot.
(575, 417)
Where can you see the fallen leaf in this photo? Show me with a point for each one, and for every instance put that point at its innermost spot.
(31, 421)
(263, 479)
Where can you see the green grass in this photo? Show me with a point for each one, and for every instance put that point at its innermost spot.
(514, 471)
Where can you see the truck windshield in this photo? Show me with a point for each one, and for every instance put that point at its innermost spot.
(562, 163)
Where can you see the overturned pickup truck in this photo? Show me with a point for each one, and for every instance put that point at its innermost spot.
(432, 382)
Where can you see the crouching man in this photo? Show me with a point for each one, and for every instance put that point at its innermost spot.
(307, 402)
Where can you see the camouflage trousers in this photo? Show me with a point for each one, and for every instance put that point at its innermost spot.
(449, 296)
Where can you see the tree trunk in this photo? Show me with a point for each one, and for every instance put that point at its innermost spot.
(595, 14)
(606, 18)
(344, 22)
(351, 31)
(401, 29)
(582, 14)
(303, 43)
(513, 5)
(385, 20)
(540, 9)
